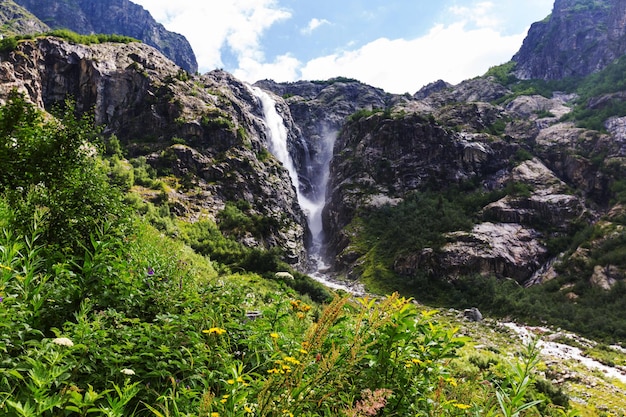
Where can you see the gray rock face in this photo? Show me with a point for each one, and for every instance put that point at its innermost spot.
(579, 37)
(121, 17)
(380, 157)
(16, 20)
(140, 96)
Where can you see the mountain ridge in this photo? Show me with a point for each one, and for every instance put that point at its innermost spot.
(122, 17)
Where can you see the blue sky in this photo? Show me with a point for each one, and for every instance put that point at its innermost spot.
(397, 45)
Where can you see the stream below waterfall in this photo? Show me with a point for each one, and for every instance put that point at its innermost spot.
(563, 352)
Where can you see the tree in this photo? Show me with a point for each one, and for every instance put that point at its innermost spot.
(52, 166)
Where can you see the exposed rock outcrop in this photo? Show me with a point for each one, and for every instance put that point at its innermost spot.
(121, 17)
(16, 20)
(565, 44)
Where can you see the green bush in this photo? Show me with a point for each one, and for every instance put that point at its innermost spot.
(52, 166)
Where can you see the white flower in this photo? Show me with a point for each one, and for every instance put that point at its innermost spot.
(127, 371)
(63, 341)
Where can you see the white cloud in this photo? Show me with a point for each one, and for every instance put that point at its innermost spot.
(314, 24)
(211, 25)
(463, 47)
(481, 14)
(284, 68)
(451, 53)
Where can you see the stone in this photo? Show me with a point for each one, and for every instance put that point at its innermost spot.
(284, 276)
(472, 314)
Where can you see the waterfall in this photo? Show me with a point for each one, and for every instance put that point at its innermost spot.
(278, 147)
(312, 203)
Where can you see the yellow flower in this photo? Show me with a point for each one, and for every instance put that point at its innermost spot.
(215, 414)
(5, 267)
(303, 351)
(452, 381)
(230, 381)
(461, 406)
(291, 360)
(274, 335)
(247, 409)
(216, 330)
(239, 379)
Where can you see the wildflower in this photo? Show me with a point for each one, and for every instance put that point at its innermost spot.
(461, 406)
(230, 381)
(274, 335)
(217, 330)
(303, 351)
(127, 371)
(5, 267)
(239, 379)
(247, 409)
(150, 271)
(63, 341)
(292, 360)
(1, 298)
(451, 381)
(215, 414)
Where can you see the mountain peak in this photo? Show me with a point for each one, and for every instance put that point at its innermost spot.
(121, 17)
(579, 38)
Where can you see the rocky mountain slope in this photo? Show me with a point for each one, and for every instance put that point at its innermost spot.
(577, 39)
(16, 20)
(206, 130)
(121, 17)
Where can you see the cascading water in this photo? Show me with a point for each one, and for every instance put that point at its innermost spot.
(278, 147)
(313, 203)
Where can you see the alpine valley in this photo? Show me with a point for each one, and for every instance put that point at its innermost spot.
(506, 193)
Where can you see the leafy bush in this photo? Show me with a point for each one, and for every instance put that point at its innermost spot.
(51, 167)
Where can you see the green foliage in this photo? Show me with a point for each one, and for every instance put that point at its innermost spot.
(503, 73)
(144, 174)
(90, 39)
(9, 44)
(332, 81)
(362, 114)
(420, 221)
(51, 167)
(236, 220)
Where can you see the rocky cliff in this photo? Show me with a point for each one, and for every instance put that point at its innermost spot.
(121, 17)
(208, 130)
(579, 37)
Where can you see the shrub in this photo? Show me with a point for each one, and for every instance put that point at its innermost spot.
(53, 166)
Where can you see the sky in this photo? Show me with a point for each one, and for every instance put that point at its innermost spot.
(396, 45)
